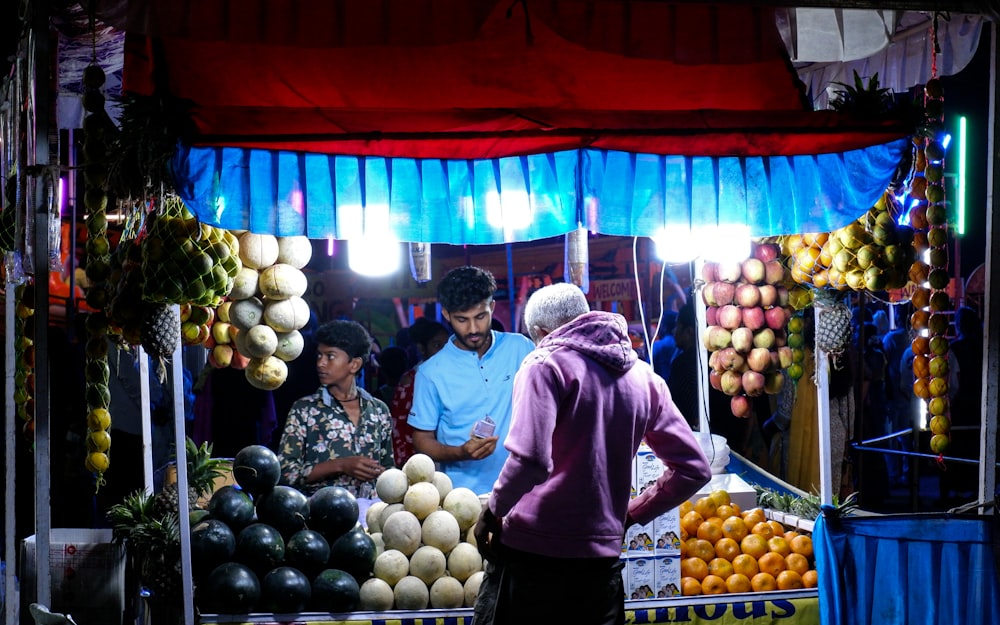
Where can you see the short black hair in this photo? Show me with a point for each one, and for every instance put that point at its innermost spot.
(464, 287)
(393, 361)
(685, 316)
(424, 330)
(349, 336)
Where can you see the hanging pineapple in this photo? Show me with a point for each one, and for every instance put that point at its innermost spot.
(833, 321)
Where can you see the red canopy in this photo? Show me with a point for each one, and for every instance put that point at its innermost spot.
(482, 78)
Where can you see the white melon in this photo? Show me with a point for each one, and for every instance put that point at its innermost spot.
(464, 505)
(440, 529)
(472, 588)
(421, 499)
(391, 485)
(419, 468)
(447, 592)
(428, 563)
(290, 345)
(411, 594)
(246, 313)
(281, 281)
(376, 595)
(258, 250)
(295, 251)
(388, 511)
(402, 531)
(443, 483)
(266, 374)
(372, 521)
(261, 341)
(244, 284)
(463, 561)
(285, 315)
(391, 566)
(379, 543)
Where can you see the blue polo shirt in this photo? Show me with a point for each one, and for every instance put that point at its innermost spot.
(455, 388)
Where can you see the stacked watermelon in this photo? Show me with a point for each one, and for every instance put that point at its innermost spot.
(269, 548)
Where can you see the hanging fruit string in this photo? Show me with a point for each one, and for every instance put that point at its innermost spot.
(97, 127)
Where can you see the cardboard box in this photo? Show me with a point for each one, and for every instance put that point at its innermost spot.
(667, 533)
(639, 539)
(641, 577)
(739, 491)
(668, 576)
(86, 572)
(649, 468)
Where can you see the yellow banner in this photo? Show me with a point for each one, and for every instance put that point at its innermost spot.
(690, 611)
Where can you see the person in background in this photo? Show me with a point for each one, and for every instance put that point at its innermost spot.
(894, 343)
(683, 375)
(392, 363)
(429, 337)
(469, 380)
(665, 345)
(340, 435)
(583, 401)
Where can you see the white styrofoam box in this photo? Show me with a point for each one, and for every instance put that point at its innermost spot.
(668, 576)
(667, 532)
(739, 491)
(639, 539)
(641, 577)
(87, 575)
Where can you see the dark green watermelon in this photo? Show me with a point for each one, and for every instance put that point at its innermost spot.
(355, 553)
(334, 590)
(308, 551)
(256, 469)
(285, 509)
(260, 547)
(284, 590)
(232, 506)
(333, 511)
(212, 543)
(231, 588)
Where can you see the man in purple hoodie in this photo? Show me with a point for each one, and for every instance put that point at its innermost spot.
(553, 527)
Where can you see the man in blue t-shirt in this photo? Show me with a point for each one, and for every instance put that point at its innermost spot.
(470, 379)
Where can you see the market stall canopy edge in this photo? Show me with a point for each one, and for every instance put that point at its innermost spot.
(484, 122)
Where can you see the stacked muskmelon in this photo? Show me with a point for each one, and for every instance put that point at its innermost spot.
(258, 328)
(423, 529)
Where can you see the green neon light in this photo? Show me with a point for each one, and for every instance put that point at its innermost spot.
(961, 175)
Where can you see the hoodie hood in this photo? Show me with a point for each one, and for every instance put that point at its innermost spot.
(601, 336)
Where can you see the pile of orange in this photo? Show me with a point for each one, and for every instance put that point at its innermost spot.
(727, 550)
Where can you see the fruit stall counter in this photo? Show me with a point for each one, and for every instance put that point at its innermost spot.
(789, 607)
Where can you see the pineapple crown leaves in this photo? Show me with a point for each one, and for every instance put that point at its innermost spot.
(863, 101)
(134, 524)
(202, 468)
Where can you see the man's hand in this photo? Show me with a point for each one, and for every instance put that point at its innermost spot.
(487, 533)
(479, 448)
(629, 521)
(359, 467)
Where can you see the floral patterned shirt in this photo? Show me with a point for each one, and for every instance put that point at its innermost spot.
(318, 429)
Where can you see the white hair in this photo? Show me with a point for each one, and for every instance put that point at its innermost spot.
(551, 306)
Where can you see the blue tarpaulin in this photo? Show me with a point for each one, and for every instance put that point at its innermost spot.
(918, 569)
(524, 198)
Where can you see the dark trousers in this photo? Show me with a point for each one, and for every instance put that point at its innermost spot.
(522, 588)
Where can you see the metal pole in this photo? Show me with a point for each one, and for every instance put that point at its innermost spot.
(10, 435)
(991, 311)
(147, 429)
(180, 439)
(701, 322)
(42, 110)
(823, 414)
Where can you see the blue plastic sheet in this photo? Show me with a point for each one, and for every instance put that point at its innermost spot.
(918, 569)
(523, 198)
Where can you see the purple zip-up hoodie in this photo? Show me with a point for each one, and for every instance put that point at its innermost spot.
(582, 403)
